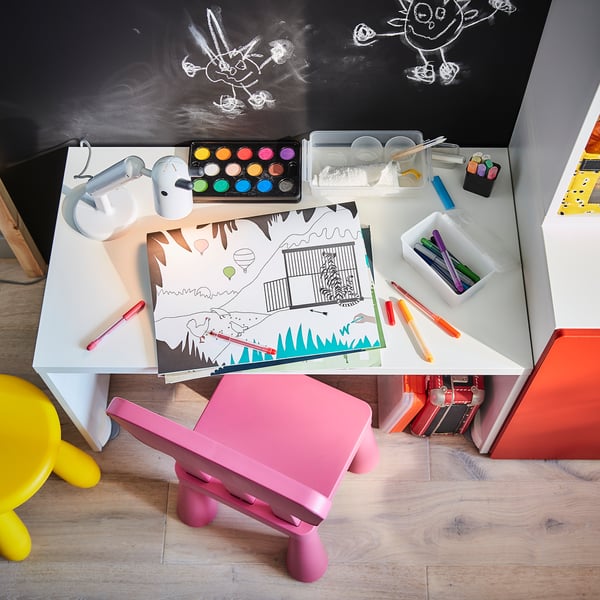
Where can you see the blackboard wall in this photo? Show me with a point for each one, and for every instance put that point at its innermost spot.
(112, 71)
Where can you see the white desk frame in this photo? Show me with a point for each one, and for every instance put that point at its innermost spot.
(90, 284)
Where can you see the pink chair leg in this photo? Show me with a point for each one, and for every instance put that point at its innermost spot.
(367, 457)
(306, 557)
(194, 508)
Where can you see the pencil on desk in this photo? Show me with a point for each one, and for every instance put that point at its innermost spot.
(410, 322)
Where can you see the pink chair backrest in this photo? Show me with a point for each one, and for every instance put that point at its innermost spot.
(199, 456)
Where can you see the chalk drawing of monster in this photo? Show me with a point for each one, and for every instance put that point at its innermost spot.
(430, 27)
(238, 67)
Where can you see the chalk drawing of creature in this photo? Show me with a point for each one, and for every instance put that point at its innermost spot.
(430, 27)
(240, 68)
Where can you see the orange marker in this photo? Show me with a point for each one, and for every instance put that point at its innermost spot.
(410, 322)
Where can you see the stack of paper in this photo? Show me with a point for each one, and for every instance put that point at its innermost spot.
(262, 291)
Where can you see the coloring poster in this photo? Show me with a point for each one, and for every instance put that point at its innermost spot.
(261, 291)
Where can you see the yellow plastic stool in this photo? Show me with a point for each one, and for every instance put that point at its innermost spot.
(30, 449)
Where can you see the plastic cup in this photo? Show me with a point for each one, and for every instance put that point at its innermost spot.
(399, 143)
(366, 149)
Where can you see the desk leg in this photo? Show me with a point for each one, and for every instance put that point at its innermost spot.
(500, 396)
(83, 396)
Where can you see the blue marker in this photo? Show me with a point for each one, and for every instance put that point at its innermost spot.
(430, 245)
(423, 251)
(442, 192)
(443, 273)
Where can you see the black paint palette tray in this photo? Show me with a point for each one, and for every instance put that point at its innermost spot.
(239, 171)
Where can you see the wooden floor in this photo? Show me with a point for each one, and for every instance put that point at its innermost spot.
(435, 521)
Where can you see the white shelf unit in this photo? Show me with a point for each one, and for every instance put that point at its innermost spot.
(557, 115)
(551, 417)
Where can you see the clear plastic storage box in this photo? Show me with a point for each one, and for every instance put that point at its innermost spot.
(365, 163)
(459, 243)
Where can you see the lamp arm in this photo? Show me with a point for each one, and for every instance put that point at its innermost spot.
(97, 188)
(105, 208)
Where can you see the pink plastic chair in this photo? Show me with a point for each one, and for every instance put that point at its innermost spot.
(273, 447)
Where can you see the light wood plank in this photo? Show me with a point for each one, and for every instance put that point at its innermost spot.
(513, 583)
(69, 581)
(430, 523)
(21, 304)
(456, 458)
(119, 520)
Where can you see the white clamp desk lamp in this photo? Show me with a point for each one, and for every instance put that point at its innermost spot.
(105, 208)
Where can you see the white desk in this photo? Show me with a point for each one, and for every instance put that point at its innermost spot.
(90, 284)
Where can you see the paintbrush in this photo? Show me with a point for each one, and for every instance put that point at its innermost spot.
(422, 146)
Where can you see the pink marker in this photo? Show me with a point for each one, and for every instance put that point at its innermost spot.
(493, 172)
(134, 310)
(235, 340)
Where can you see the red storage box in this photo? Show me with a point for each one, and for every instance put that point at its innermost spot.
(400, 399)
(452, 401)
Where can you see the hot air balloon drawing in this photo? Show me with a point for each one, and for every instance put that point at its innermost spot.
(201, 245)
(244, 257)
(229, 272)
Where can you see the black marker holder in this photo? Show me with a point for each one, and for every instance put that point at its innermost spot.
(479, 184)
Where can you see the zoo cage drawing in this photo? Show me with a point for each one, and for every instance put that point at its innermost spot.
(316, 276)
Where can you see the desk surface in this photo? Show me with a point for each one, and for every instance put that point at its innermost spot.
(90, 284)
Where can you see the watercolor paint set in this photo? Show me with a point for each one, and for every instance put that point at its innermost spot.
(253, 171)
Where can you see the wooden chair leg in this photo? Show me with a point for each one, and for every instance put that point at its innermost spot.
(15, 541)
(306, 557)
(367, 457)
(18, 237)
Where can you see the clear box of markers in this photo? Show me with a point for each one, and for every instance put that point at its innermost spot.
(462, 249)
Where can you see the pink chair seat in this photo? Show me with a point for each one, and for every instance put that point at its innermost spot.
(274, 447)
